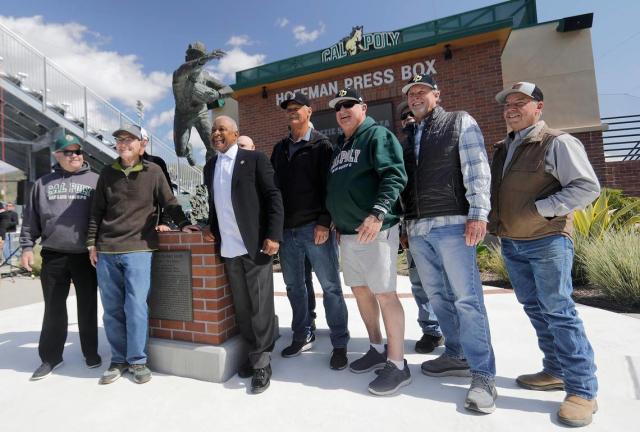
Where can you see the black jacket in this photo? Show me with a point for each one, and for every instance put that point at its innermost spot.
(163, 217)
(435, 186)
(256, 201)
(302, 179)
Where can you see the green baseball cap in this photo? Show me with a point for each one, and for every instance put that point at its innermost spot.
(65, 140)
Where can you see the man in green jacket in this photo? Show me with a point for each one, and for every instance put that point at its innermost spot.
(366, 177)
(121, 238)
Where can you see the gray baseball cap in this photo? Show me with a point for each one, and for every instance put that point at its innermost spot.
(131, 129)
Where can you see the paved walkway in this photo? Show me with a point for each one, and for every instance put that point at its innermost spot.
(305, 394)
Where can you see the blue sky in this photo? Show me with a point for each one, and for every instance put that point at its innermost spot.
(145, 40)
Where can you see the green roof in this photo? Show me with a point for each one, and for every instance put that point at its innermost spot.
(514, 13)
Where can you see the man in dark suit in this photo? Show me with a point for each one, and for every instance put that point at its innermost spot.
(246, 217)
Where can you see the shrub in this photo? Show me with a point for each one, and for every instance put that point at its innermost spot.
(579, 271)
(490, 260)
(600, 216)
(613, 264)
(617, 200)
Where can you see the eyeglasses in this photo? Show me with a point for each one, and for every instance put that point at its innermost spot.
(69, 153)
(347, 105)
(406, 114)
(124, 140)
(517, 105)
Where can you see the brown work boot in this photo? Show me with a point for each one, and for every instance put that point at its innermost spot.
(540, 381)
(576, 411)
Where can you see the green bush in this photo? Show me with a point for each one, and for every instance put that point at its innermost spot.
(601, 216)
(579, 271)
(490, 260)
(610, 212)
(617, 200)
(612, 263)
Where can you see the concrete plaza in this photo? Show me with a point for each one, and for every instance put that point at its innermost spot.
(305, 394)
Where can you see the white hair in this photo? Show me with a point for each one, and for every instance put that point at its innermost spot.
(234, 125)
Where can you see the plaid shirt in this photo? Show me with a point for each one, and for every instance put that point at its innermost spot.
(476, 176)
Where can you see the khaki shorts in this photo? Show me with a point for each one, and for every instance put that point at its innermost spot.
(373, 264)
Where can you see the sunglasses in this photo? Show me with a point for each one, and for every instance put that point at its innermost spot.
(69, 153)
(406, 114)
(346, 105)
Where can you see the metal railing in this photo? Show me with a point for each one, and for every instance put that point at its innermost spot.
(41, 79)
(622, 141)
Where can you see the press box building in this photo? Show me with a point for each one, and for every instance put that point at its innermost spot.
(471, 55)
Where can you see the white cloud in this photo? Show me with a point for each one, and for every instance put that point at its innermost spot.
(164, 118)
(282, 22)
(239, 40)
(236, 59)
(302, 36)
(79, 52)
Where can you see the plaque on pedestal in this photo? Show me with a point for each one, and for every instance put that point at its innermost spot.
(171, 296)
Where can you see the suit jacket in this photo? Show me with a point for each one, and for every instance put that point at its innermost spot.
(256, 201)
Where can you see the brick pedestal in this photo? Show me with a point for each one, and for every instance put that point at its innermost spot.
(204, 348)
(213, 314)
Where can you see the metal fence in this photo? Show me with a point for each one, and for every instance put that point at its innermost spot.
(622, 140)
(41, 79)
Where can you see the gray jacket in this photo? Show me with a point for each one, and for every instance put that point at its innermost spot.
(58, 210)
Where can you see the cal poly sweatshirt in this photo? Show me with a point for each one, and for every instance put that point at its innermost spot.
(367, 173)
(58, 210)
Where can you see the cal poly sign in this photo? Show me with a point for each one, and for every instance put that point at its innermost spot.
(358, 42)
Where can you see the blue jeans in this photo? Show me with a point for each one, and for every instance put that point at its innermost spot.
(540, 272)
(124, 280)
(450, 276)
(7, 248)
(297, 244)
(427, 319)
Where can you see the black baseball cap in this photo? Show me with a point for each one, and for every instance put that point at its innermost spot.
(345, 95)
(298, 98)
(422, 80)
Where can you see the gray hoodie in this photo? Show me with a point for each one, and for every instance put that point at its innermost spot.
(58, 210)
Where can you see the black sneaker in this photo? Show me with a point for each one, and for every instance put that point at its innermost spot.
(114, 372)
(141, 373)
(245, 370)
(339, 359)
(297, 347)
(446, 366)
(428, 343)
(45, 370)
(93, 361)
(261, 379)
(372, 360)
(390, 379)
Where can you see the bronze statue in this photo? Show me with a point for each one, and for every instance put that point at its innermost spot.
(195, 91)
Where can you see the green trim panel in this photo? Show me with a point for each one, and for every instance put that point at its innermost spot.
(514, 13)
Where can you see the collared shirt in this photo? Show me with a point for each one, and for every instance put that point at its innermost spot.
(294, 146)
(476, 177)
(567, 161)
(232, 244)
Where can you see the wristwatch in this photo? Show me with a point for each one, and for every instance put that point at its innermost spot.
(378, 215)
